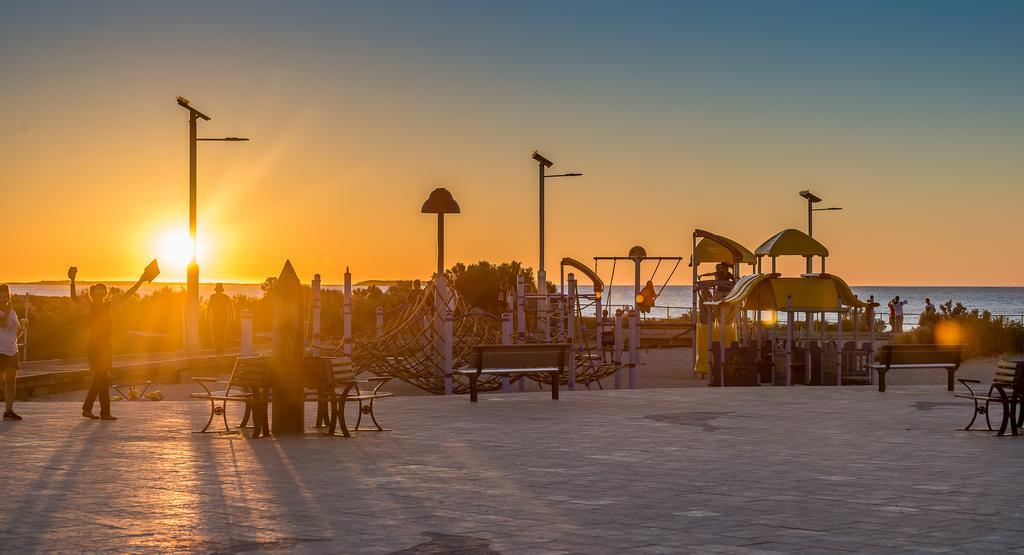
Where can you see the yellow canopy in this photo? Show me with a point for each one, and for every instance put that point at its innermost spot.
(791, 242)
(715, 248)
(594, 278)
(820, 293)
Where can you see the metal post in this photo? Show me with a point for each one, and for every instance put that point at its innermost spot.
(192, 271)
(871, 335)
(711, 344)
(506, 339)
(24, 331)
(570, 334)
(521, 308)
(617, 352)
(315, 336)
(721, 344)
(790, 320)
(634, 350)
(346, 314)
(245, 348)
(598, 322)
(380, 321)
(447, 353)
(440, 243)
(810, 230)
(540, 267)
(839, 344)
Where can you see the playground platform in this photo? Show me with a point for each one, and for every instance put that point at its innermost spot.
(728, 470)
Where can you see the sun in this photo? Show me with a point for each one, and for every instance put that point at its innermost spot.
(174, 251)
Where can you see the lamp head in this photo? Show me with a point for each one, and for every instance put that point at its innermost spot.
(809, 196)
(440, 201)
(541, 159)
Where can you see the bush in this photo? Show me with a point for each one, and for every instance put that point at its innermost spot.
(979, 332)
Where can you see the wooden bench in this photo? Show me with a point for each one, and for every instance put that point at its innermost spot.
(341, 386)
(248, 384)
(1007, 388)
(911, 357)
(534, 358)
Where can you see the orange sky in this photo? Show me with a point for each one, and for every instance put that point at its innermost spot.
(351, 130)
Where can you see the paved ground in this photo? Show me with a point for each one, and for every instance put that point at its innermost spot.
(738, 470)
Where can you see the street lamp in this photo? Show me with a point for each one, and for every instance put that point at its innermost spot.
(440, 202)
(813, 199)
(192, 273)
(542, 164)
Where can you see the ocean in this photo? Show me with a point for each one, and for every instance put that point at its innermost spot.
(674, 299)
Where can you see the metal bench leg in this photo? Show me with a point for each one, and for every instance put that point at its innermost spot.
(472, 388)
(949, 379)
(554, 385)
(978, 409)
(321, 413)
(1006, 420)
(213, 412)
(367, 409)
(881, 381)
(986, 412)
(338, 419)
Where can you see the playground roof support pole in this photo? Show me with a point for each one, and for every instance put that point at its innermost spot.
(790, 321)
(839, 343)
(570, 337)
(871, 333)
(695, 310)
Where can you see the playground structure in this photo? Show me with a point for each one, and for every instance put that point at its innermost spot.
(744, 315)
(737, 323)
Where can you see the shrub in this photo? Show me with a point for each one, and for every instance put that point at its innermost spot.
(979, 332)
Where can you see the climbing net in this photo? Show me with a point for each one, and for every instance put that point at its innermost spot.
(410, 347)
(589, 360)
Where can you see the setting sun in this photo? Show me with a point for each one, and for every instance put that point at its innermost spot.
(174, 251)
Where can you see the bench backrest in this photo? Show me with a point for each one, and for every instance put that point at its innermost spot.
(341, 370)
(248, 372)
(921, 354)
(1010, 374)
(535, 355)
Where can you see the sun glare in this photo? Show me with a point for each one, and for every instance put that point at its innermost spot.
(174, 252)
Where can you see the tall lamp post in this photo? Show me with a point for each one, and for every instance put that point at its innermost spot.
(542, 164)
(192, 273)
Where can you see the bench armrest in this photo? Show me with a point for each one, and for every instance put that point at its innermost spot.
(208, 380)
(967, 383)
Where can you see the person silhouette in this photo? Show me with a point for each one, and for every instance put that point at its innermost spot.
(100, 349)
(10, 329)
(220, 311)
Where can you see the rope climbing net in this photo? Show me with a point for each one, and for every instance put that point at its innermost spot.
(411, 346)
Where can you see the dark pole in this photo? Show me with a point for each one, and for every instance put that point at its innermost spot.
(440, 244)
(810, 219)
(540, 169)
(192, 271)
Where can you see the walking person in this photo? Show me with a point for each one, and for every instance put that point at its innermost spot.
(100, 348)
(10, 329)
(221, 312)
(929, 308)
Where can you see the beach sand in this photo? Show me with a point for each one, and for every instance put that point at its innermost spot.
(659, 368)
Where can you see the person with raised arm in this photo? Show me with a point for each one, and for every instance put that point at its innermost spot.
(100, 348)
(10, 329)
